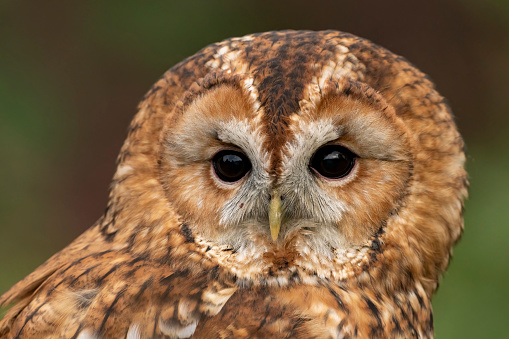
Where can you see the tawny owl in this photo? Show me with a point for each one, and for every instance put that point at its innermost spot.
(287, 184)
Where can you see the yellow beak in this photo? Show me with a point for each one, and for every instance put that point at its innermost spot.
(275, 214)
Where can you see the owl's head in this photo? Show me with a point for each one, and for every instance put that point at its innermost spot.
(296, 155)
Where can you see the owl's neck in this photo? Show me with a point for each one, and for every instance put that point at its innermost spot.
(292, 264)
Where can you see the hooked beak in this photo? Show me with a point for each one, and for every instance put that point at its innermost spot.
(275, 214)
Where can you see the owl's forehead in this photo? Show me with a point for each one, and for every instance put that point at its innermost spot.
(285, 71)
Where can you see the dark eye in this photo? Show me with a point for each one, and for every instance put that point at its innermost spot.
(333, 161)
(230, 166)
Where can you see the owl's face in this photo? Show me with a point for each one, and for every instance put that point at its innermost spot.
(290, 154)
(337, 173)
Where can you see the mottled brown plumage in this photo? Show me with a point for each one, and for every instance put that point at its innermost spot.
(181, 253)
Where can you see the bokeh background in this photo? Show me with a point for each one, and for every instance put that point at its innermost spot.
(71, 74)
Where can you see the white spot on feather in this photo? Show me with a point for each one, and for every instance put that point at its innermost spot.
(174, 329)
(187, 331)
(87, 334)
(123, 170)
(134, 332)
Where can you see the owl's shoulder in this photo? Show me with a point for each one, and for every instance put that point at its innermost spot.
(93, 287)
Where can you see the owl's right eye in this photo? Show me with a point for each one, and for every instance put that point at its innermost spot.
(230, 166)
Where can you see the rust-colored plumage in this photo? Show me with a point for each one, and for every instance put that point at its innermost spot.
(181, 252)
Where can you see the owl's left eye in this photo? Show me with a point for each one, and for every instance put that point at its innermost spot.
(333, 161)
(230, 166)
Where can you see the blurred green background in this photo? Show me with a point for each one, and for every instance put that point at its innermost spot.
(71, 74)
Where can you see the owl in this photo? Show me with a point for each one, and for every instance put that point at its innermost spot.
(291, 184)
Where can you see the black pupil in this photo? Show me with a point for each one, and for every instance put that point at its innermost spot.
(231, 166)
(333, 161)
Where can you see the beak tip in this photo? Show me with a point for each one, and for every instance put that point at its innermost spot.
(274, 235)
